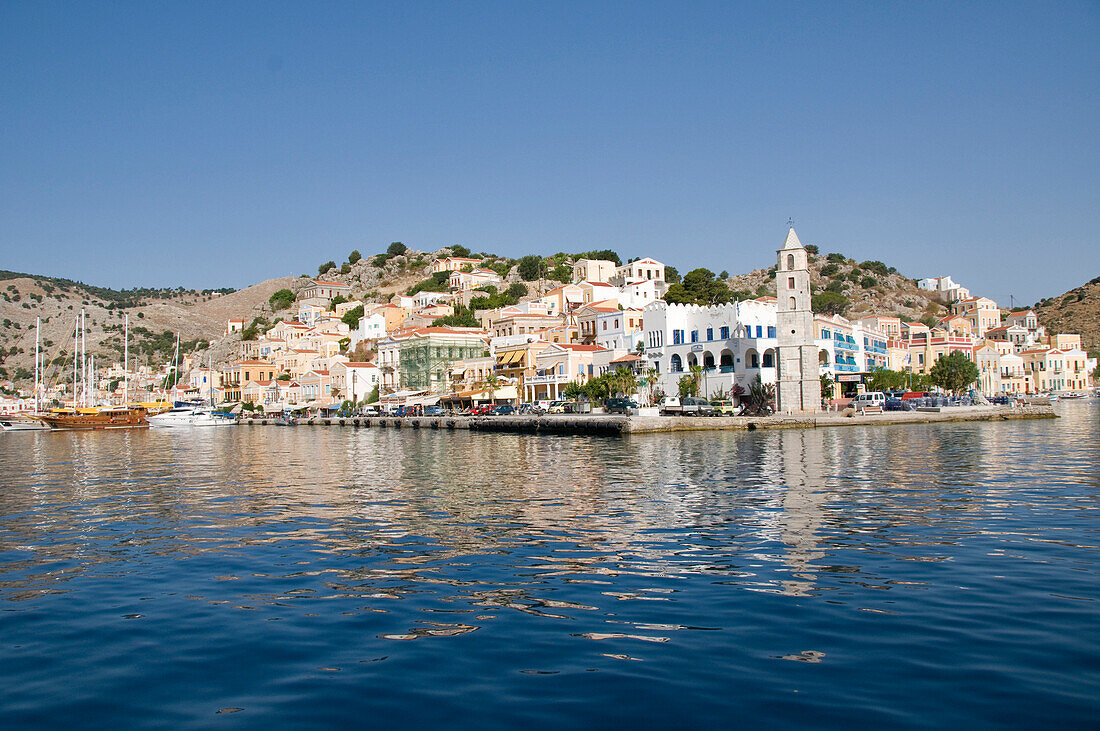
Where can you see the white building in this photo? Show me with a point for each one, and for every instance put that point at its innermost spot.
(354, 381)
(619, 329)
(732, 343)
(639, 270)
(371, 327)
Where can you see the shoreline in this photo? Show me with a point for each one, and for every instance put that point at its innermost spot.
(603, 424)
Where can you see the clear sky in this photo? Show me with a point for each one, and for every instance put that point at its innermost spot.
(219, 144)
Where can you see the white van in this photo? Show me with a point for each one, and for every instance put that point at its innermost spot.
(869, 399)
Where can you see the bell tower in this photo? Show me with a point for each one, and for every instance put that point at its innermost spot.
(799, 386)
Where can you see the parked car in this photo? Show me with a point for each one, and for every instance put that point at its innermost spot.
(897, 404)
(724, 407)
(504, 410)
(694, 406)
(619, 405)
(872, 399)
(432, 411)
(670, 406)
(555, 407)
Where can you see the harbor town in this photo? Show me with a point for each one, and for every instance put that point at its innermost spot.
(610, 340)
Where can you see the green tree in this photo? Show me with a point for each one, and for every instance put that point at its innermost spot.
(325, 267)
(884, 379)
(354, 256)
(345, 268)
(517, 290)
(687, 385)
(462, 317)
(954, 372)
(373, 396)
(829, 270)
(351, 317)
(672, 274)
(459, 250)
(338, 300)
(827, 383)
(723, 274)
(572, 391)
(597, 389)
(699, 287)
(396, 249)
(829, 303)
(529, 267)
(811, 248)
(281, 300)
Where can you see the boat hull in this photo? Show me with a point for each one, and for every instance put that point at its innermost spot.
(106, 419)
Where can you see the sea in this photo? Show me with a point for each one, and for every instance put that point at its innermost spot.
(907, 576)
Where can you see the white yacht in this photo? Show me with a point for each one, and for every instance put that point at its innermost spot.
(186, 416)
(20, 422)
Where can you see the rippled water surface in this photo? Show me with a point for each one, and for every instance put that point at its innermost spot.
(919, 575)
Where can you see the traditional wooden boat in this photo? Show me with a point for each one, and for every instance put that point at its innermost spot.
(107, 417)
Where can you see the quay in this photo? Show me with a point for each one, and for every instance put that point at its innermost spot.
(608, 424)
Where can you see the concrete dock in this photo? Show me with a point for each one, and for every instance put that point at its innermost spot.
(608, 424)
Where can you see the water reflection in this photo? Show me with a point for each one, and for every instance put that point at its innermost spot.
(629, 546)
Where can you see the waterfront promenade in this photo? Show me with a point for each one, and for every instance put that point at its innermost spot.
(614, 424)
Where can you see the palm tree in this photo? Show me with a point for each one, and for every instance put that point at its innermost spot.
(626, 381)
(697, 377)
(492, 382)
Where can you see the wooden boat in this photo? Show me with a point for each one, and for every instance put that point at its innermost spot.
(107, 417)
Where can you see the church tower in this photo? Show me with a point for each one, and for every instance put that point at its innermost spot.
(799, 386)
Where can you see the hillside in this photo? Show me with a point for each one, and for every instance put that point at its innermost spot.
(1078, 310)
(155, 316)
(864, 288)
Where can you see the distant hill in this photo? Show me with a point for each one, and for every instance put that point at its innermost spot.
(198, 315)
(1076, 311)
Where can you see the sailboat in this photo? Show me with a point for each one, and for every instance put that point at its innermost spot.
(86, 415)
(25, 421)
(192, 414)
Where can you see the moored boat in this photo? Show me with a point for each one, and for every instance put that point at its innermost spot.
(191, 416)
(107, 417)
(22, 422)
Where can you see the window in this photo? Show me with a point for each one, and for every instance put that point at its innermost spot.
(724, 333)
(710, 333)
(759, 331)
(790, 282)
(768, 363)
(677, 337)
(676, 365)
(826, 334)
(694, 336)
(790, 261)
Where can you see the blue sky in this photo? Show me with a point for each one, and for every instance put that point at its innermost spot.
(219, 144)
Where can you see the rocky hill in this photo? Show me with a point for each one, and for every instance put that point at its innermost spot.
(1078, 310)
(155, 317)
(864, 288)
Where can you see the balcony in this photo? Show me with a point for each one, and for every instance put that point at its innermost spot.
(548, 379)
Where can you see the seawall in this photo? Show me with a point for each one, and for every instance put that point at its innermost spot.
(605, 424)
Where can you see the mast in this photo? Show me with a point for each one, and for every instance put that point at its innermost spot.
(126, 363)
(76, 356)
(83, 357)
(175, 367)
(37, 332)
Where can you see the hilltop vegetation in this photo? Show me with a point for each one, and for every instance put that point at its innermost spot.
(1077, 310)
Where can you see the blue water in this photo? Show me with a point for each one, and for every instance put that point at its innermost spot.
(906, 576)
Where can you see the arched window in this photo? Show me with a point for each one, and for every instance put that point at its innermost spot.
(794, 305)
(676, 365)
(790, 261)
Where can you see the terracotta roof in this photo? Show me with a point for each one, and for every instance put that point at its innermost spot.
(579, 347)
(629, 357)
(352, 364)
(329, 284)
